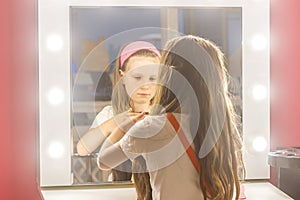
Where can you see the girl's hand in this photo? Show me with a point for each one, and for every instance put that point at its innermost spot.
(124, 122)
(127, 119)
(110, 125)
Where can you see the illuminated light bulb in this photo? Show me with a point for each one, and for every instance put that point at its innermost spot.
(259, 92)
(259, 144)
(56, 150)
(54, 43)
(56, 96)
(259, 42)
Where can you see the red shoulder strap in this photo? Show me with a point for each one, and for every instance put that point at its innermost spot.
(189, 150)
(184, 141)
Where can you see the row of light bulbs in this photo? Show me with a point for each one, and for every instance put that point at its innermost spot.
(56, 95)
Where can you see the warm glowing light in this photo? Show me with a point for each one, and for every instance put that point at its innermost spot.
(259, 144)
(259, 92)
(56, 150)
(54, 43)
(259, 42)
(56, 96)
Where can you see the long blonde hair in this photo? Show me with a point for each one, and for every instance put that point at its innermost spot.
(121, 103)
(220, 167)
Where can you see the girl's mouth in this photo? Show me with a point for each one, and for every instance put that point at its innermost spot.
(143, 94)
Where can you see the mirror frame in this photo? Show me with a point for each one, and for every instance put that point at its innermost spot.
(55, 82)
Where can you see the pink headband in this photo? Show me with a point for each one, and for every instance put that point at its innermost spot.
(134, 47)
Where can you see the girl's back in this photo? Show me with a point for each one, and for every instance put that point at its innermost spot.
(172, 174)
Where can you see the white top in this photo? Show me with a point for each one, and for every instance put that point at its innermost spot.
(105, 114)
(172, 174)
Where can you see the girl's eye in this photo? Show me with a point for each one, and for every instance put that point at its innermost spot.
(137, 77)
(152, 79)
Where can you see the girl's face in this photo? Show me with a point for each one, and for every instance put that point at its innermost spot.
(140, 78)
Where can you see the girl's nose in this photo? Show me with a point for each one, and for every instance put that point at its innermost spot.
(145, 87)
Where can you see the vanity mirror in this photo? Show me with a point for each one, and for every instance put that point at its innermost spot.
(78, 46)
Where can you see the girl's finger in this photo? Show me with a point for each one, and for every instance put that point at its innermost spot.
(133, 114)
(139, 117)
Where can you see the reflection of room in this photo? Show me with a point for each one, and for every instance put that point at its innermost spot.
(91, 26)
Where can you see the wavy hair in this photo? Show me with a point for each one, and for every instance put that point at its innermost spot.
(219, 175)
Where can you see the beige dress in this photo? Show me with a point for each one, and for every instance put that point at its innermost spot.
(172, 174)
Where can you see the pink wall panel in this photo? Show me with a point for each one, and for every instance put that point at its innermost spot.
(5, 103)
(18, 100)
(285, 71)
(24, 89)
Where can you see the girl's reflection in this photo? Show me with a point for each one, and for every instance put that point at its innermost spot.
(136, 66)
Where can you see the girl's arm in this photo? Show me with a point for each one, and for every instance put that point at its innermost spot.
(111, 154)
(94, 137)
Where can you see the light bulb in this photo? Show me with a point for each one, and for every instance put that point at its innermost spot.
(56, 96)
(259, 144)
(56, 150)
(259, 42)
(259, 92)
(54, 42)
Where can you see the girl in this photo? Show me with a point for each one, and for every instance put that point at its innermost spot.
(127, 99)
(191, 145)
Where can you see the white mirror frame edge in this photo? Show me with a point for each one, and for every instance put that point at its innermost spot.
(55, 80)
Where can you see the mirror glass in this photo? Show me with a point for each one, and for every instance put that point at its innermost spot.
(98, 33)
(78, 46)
